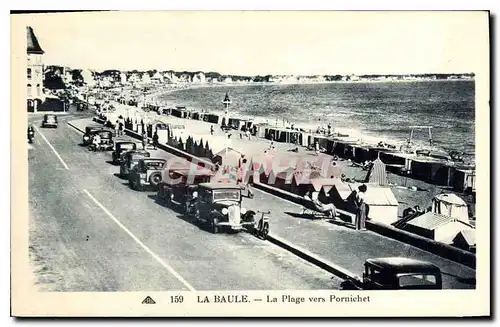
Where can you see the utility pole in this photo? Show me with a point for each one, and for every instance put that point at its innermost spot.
(226, 102)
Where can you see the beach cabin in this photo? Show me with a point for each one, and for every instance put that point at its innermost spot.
(179, 111)
(236, 123)
(464, 180)
(212, 118)
(451, 205)
(435, 226)
(377, 174)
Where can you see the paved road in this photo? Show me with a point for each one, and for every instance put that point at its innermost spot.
(90, 232)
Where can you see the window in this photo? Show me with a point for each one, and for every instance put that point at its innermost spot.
(29, 90)
(29, 73)
(416, 280)
(227, 195)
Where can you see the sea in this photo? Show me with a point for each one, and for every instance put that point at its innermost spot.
(382, 111)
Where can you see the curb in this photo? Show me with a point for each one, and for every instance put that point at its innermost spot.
(312, 258)
(78, 129)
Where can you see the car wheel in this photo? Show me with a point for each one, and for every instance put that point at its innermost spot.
(265, 231)
(155, 179)
(168, 198)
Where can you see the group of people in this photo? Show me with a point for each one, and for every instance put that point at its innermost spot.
(145, 140)
(120, 126)
(358, 199)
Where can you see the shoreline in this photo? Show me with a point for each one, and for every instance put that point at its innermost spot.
(364, 137)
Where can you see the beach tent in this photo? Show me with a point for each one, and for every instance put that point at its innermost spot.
(281, 177)
(466, 240)
(383, 205)
(230, 157)
(377, 174)
(451, 205)
(441, 228)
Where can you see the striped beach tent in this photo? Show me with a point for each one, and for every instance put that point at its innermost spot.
(377, 174)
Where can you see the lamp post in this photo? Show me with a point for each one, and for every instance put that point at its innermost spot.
(226, 102)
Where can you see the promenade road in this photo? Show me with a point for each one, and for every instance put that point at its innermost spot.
(90, 232)
(344, 246)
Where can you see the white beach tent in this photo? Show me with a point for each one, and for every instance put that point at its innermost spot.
(451, 205)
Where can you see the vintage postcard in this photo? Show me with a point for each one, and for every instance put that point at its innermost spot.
(250, 163)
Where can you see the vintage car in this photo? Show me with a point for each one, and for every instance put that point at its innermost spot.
(130, 159)
(180, 184)
(89, 131)
(49, 121)
(120, 148)
(147, 173)
(219, 206)
(106, 142)
(395, 274)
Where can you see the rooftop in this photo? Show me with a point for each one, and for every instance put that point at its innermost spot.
(33, 47)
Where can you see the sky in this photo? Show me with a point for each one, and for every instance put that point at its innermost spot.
(260, 43)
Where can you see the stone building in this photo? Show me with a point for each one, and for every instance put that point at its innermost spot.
(35, 74)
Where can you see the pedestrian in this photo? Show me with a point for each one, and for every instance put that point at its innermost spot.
(247, 134)
(96, 142)
(361, 208)
(117, 127)
(250, 190)
(211, 129)
(144, 140)
(155, 140)
(316, 148)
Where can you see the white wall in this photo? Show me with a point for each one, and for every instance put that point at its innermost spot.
(383, 214)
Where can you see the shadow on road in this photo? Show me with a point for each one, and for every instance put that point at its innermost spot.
(307, 216)
(120, 176)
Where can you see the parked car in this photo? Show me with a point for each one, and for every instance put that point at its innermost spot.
(219, 206)
(130, 159)
(147, 173)
(49, 121)
(106, 142)
(120, 148)
(180, 185)
(396, 274)
(89, 131)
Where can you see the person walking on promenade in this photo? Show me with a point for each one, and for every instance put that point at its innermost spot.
(117, 127)
(144, 140)
(155, 140)
(122, 125)
(316, 148)
(361, 208)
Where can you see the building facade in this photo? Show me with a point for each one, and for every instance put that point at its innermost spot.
(35, 75)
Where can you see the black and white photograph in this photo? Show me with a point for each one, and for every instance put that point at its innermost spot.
(240, 162)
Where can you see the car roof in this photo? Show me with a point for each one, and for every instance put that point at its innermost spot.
(50, 115)
(402, 265)
(132, 152)
(153, 160)
(197, 172)
(125, 142)
(219, 186)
